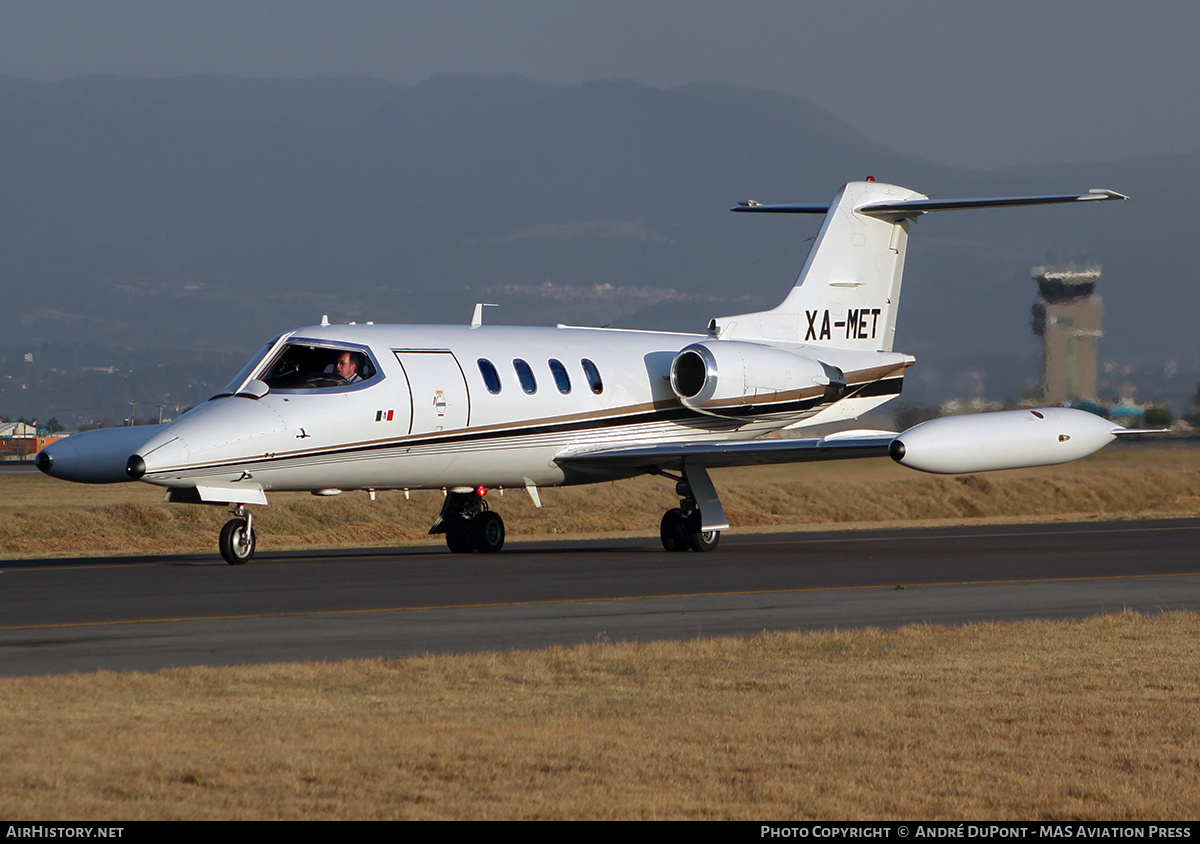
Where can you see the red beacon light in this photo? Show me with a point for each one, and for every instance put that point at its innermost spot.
(481, 491)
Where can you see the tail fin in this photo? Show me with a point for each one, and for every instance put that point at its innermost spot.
(847, 292)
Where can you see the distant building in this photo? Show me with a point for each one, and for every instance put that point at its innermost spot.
(1068, 317)
(20, 441)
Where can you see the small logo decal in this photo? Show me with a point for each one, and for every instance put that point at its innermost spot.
(384, 415)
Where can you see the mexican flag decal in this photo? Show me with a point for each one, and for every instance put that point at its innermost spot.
(383, 415)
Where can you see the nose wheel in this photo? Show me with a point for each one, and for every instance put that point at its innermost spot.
(237, 538)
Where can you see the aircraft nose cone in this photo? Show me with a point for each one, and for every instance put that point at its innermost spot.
(135, 468)
(42, 462)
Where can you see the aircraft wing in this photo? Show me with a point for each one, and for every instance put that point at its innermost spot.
(694, 459)
(721, 453)
(981, 442)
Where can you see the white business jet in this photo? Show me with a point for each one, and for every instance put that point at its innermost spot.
(466, 409)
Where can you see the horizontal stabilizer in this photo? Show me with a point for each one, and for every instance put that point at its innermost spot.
(901, 209)
(751, 205)
(914, 207)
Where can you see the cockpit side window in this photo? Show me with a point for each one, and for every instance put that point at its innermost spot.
(307, 366)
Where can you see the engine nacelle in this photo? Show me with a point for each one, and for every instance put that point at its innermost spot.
(721, 376)
(1009, 439)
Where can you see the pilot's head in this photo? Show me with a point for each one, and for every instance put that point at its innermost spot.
(347, 366)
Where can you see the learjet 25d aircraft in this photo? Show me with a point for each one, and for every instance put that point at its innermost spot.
(465, 409)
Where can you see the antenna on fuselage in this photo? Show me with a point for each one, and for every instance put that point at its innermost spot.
(477, 317)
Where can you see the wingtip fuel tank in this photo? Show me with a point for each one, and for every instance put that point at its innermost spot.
(94, 457)
(1010, 439)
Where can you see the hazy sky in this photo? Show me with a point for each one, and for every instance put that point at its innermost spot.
(964, 83)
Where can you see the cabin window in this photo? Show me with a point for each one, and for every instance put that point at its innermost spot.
(491, 378)
(593, 376)
(561, 379)
(525, 376)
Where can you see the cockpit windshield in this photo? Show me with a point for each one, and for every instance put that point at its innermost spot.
(304, 365)
(240, 379)
(301, 365)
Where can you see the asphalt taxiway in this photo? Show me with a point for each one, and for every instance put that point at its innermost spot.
(145, 613)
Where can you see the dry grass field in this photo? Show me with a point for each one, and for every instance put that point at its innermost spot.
(1093, 719)
(46, 517)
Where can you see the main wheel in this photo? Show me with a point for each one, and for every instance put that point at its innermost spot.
(236, 542)
(671, 531)
(458, 536)
(704, 540)
(488, 532)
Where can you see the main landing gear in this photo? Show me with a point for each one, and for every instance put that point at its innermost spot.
(237, 537)
(468, 523)
(681, 528)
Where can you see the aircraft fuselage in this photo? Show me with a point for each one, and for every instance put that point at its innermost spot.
(449, 406)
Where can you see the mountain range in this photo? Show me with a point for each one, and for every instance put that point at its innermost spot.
(196, 217)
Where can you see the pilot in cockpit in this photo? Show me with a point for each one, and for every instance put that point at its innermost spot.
(348, 367)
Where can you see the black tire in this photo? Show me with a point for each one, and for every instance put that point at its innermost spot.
(236, 542)
(704, 540)
(487, 532)
(671, 531)
(458, 537)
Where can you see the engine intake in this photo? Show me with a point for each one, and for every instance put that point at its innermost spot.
(722, 376)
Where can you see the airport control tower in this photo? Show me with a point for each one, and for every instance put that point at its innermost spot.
(1067, 318)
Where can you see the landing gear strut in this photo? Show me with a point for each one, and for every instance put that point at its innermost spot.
(469, 525)
(237, 537)
(681, 529)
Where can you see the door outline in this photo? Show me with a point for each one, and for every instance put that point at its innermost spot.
(431, 371)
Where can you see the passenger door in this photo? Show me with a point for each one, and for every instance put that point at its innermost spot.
(438, 388)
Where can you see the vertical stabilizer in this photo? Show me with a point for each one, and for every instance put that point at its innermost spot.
(845, 296)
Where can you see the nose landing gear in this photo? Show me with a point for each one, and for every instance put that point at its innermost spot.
(237, 537)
